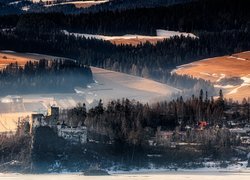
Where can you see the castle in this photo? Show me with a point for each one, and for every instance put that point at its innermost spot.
(75, 135)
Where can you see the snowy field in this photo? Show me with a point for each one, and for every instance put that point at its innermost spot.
(108, 85)
(134, 39)
(136, 176)
(219, 68)
(80, 4)
(7, 57)
(113, 85)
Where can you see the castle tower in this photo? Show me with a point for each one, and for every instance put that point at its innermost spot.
(53, 114)
(36, 121)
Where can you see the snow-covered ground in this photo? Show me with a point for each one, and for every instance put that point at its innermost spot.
(14, 2)
(114, 85)
(86, 2)
(209, 166)
(24, 57)
(82, 4)
(246, 82)
(7, 29)
(161, 35)
(236, 66)
(169, 34)
(25, 8)
(108, 85)
(192, 175)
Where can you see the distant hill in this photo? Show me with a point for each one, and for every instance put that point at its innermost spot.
(26, 6)
(229, 73)
(133, 4)
(205, 15)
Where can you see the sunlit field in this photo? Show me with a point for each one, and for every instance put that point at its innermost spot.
(219, 69)
(108, 85)
(134, 39)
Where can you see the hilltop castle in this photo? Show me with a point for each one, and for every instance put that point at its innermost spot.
(75, 135)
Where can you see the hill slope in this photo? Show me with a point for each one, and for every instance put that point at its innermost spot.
(87, 6)
(231, 73)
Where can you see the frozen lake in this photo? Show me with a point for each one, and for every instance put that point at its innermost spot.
(144, 176)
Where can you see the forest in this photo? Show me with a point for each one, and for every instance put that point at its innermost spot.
(219, 15)
(226, 32)
(44, 77)
(126, 121)
(119, 134)
(129, 122)
(114, 5)
(149, 61)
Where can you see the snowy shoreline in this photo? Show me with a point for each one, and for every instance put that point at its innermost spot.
(155, 172)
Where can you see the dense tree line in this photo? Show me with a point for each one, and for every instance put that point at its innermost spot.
(6, 9)
(153, 61)
(44, 76)
(203, 15)
(131, 122)
(120, 5)
(223, 34)
(114, 5)
(129, 125)
(15, 149)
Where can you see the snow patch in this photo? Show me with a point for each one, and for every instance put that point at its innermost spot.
(79, 3)
(233, 57)
(8, 51)
(25, 8)
(204, 73)
(241, 59)
(245, 83)
(169, 34)
(14, 3)
(210, 166)
(222, 76)
(224, 87)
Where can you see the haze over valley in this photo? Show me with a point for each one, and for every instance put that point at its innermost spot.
(124, 89)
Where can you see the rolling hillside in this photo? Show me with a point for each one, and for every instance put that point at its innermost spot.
(134, 39)
(75, 7)
(108, 85)
(230, 73)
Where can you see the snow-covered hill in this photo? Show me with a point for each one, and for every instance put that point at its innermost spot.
(229, 73)
(79, 6)
(133, 39)
(108, 85)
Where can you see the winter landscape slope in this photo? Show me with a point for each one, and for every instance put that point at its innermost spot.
(230, 73)
(80, 4)
(109, 85)
(7, 57)
(114, 85)
(74, 6)
(134, 39)
(131, 86)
